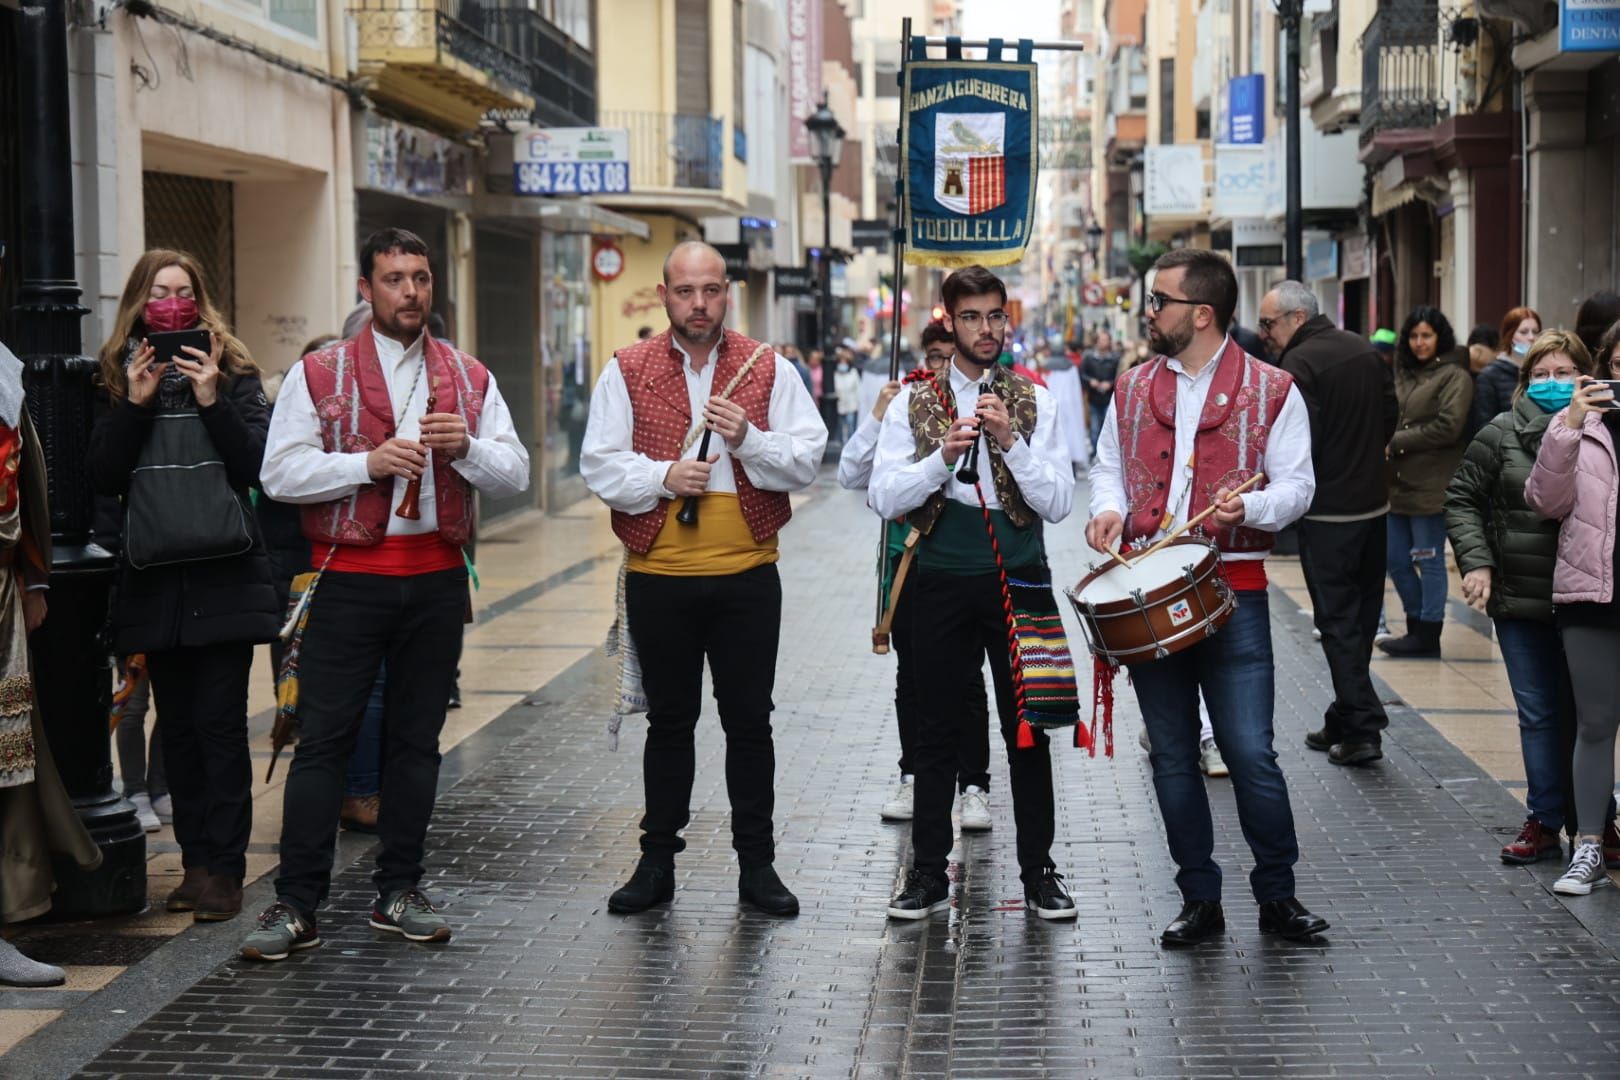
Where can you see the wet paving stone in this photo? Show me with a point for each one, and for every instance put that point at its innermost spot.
(1440, 962)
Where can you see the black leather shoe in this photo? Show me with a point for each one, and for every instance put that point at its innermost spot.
(1199, 919)
(650, 884)
(1289, 919)
(759, 885)
(1355, 753)
(1319, 740)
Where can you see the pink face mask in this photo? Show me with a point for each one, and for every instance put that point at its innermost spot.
(170, 314)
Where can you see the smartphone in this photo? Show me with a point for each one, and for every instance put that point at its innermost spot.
(1614, 388)
(166, 346)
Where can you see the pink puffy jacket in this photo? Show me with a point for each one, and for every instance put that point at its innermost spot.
(1574, 482)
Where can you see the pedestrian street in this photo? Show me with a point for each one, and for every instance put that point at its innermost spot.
(1440, 960)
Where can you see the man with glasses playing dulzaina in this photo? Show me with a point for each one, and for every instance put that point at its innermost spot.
(934, 431)
(1185, 429)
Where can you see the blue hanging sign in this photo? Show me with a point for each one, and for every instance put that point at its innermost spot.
(967, 138)
(1246, 110)
(1589, 26)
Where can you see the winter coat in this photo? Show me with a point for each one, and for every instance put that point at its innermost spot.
(1428, 443)
(1493, 392)
(212, 601)
(1351, 400)
(1104, 368)
(1574, 481)
(1490, 523)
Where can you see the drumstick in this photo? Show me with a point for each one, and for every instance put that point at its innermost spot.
(1117, 557)
(1208, 510)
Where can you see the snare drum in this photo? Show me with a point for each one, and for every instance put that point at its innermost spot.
(1164, 602)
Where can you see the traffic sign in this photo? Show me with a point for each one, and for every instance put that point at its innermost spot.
(1093, 294)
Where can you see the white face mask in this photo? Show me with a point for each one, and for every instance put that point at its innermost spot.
(1520, 348)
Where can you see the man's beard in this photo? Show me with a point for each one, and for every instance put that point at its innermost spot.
(965, 349)
(1169, 342)
(710, 332)
(392, 324)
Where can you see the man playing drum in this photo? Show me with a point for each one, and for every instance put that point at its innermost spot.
(932, 429)
(1183, 430)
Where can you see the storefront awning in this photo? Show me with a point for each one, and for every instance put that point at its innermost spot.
(562, 215)
(1385, 199)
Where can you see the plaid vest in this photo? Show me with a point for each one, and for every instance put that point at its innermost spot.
(356, 414)
(655, 377)
(1245, 396)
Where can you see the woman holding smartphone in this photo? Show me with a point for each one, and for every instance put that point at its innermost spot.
(1574, 480)
(179, 441)
(1506, 552)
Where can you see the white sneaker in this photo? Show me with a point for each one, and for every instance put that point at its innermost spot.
(899, 808)
(1316, 635)
(1143, 740)
(163, 807)
(975, 810)
(1210, 760)
(1383, 634)
(143, 812)
(1585, 871)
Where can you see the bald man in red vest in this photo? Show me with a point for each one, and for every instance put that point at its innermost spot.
(707, 590)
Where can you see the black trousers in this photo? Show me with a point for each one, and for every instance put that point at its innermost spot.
(1344, 565)
(957, 622)
(973, 755)
(733, 621)
(201, 695)
(356, 622)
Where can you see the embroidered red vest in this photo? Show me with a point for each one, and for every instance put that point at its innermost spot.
(356, 414)
(655, 377)
(1245, 396)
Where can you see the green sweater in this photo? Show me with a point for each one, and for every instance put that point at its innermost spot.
(959, 543)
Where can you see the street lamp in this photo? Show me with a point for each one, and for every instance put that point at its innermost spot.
(826, 149)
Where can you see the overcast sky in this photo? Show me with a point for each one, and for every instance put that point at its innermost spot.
(1010, 18)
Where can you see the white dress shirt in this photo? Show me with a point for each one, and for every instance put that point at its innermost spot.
(855, 461)
(298, 469)
(900, 483)
(784, 458)
(1290, 480)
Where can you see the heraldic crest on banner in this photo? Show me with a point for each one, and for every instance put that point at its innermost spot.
(970, 153)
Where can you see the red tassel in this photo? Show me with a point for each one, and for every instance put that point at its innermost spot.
(1026, 736)
(1082, 738)
(1102, 683)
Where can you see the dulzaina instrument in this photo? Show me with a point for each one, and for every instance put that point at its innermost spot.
(968, 471)
(409, 506)
(688, 513)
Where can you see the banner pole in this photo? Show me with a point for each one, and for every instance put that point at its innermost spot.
(897, 313)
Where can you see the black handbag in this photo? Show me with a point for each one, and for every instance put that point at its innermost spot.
(181, 506)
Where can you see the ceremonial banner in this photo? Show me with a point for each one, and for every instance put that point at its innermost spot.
(968, 141)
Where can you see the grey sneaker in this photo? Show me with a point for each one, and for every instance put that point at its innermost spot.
(408, 912)
(281, 932)
(1585, 871)
(1210, 760)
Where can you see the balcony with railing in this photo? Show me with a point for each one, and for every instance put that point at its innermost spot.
(672, 150)
(452, 60)
(1407, 70)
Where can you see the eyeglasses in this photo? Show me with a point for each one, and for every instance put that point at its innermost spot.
(1267, 324)
(970, 319)
(1157, 300)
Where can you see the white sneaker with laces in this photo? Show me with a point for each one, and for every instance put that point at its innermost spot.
(1585, 871)
(975, 810)
(1383, 633)
(899, 808)
(143, 812)
(1210, 760)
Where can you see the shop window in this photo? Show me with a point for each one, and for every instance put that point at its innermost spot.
(198, 217)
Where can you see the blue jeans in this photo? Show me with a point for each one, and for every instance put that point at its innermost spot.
(1538, 672)
(1417, 563)
(1234, 669)
(1097, 414)
(365, 763)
